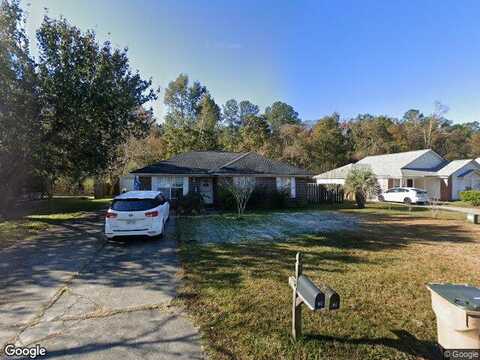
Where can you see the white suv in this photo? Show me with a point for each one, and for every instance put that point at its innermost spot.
(137, 213)
(407, 195)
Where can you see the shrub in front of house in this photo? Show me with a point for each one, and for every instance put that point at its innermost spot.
(268, 199)
(225, 199)
(190, 204)
(471, 196)
(261, 198)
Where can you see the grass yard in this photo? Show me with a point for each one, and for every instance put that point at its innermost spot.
(36, 216)
(459, 203)
(239, 296)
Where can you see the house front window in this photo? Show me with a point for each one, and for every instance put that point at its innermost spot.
(283, 183)
(170, 186)
(287, 184)
(145, 182)
(244, 181)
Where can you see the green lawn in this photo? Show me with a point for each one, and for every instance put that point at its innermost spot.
(64, 208)
(239, 296)
(460, 203)
(35, 216)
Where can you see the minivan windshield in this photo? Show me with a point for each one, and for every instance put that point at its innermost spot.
(134, 204)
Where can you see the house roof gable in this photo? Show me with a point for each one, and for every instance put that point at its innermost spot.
(392, 164)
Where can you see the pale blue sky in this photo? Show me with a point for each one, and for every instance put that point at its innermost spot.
(381, 57)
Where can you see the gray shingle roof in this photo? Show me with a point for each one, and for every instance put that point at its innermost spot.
(392, 164)
(219, 162)
(453, 166)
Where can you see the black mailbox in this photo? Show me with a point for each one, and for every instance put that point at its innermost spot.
(332, 299)
(317, 298)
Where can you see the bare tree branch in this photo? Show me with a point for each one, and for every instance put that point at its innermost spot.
(241, 189)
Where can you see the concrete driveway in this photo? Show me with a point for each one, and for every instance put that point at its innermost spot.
(83, 298)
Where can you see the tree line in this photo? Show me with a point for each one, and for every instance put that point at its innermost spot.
(195, 122)
(78, 110)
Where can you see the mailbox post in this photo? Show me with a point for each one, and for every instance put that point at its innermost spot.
(306, 292)
(297, 302)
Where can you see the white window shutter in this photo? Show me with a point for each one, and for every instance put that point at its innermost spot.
(185, 185)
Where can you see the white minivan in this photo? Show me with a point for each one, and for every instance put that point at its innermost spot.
(137, 213)
(407, 195)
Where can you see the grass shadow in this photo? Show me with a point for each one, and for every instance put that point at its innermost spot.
(405, 342)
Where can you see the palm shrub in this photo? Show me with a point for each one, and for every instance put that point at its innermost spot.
(363, 183)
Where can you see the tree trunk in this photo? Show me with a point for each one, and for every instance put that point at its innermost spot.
(360, 199)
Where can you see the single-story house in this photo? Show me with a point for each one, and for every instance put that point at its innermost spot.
(203, 171)
(424, 169)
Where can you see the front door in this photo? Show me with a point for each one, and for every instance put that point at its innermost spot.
(206, 190)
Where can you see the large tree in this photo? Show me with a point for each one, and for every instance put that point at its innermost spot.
(294, 145)
(408, 134)
(247, 109)
(280, 113)
(192, 116)
(372, 135)
(254, 134)
(329, 147)
(92, 100)
(231, 114)
(19, 108)
(207, 124)
(455, 144)
(183, 101)
(475, 145)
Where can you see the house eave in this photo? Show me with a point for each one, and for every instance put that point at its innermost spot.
(217, 174)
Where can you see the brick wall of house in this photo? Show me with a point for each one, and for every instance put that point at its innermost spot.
(390, 183)
(266, 183)
(301, 188)
(446, 189)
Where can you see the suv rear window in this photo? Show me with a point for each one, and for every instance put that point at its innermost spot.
(134, 204)
(423, 192)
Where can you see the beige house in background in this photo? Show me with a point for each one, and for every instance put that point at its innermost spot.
(423, 169)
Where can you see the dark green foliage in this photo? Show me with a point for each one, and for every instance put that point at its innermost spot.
(231, 114)
(92, 100)
(280, 114)
(246, 109)
(471, 196)
(190, 204)
(363, 183)
(225, 199)
(263, 198)
(19, 107)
